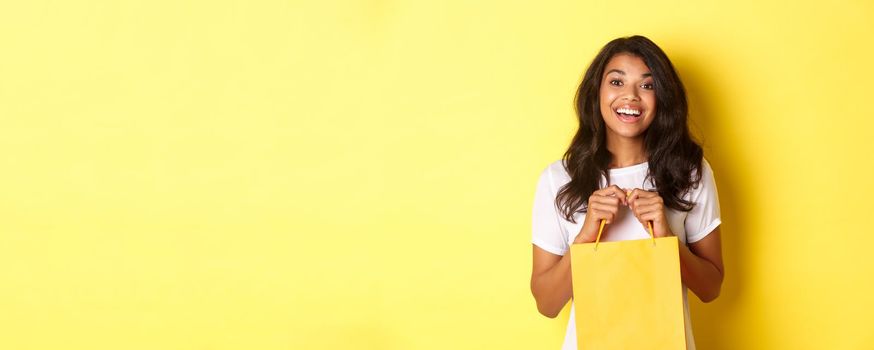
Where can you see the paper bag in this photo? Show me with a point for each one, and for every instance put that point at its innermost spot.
(627, 295)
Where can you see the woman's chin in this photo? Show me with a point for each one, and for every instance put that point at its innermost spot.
(626, 133)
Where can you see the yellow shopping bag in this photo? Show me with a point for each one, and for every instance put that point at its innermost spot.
(628, 294)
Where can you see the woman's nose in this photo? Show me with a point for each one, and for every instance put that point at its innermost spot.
(630, 94)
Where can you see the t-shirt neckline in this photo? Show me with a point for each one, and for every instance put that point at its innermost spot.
(629, 169)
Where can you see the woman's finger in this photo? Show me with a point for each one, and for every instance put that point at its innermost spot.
(637, 194)
(650, 217)
(606, 200)
(643, 210)
(632, 197)
(613, 191)
(598, 215)
(604, 210)
(642, 202)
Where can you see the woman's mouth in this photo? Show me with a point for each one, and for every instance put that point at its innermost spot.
(628, 114)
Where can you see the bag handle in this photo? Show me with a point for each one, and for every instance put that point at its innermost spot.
(601, 229)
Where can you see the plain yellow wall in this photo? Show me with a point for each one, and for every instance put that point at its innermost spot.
(360, 174)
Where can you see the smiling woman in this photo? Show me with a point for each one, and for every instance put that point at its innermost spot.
(628, 95)
(632, 163)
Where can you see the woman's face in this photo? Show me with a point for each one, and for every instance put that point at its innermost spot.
(627, 98)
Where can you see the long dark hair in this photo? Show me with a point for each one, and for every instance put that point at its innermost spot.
(674, 157)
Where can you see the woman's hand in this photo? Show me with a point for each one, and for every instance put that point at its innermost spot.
(648, 206)
(603, 205)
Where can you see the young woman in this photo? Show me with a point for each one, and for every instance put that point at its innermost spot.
(631, 162)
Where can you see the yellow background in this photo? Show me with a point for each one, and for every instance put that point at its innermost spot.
(360, 174)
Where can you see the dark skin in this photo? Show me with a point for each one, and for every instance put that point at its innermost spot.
(626, 84)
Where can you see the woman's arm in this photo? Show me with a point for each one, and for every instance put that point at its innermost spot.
(551, 274)
(551, 281)
(700, 263)
(701, 270)
(701, 266)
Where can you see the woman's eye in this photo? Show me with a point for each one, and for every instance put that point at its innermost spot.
(615, 82)
(647, 86)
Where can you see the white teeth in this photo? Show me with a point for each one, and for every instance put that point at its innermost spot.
(628, 111)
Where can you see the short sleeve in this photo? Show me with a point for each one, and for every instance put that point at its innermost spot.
(547, 232)
(704, 216)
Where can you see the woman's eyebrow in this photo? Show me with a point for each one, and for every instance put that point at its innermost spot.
(644, 75)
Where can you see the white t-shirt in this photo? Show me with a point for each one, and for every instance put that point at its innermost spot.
(554, 234)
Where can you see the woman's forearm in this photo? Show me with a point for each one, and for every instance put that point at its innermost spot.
(700, 275)
(553, 288)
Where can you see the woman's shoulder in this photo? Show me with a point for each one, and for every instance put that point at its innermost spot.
(706, 170)
(556, 169)
(555, 174)
(706, 183)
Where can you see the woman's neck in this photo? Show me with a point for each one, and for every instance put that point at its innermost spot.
(626, 152)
